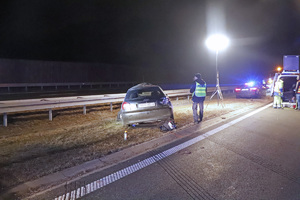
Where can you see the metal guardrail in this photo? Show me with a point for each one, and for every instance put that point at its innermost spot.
(42, 86)
(62, 102)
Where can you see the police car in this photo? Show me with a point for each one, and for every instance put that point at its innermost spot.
(250, 90)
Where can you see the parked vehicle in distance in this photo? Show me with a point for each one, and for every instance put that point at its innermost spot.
(289, 75)
(250, 90)
(145, 103)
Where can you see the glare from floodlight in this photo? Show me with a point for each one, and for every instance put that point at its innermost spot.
(217, 42)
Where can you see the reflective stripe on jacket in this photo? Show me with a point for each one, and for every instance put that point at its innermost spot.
(200, 90)
(278, 86)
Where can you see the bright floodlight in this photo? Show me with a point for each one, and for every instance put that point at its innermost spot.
(217, 42)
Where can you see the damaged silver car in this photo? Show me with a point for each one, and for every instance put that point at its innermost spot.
(145, 103)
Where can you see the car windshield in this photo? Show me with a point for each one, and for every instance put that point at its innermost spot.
(144, 93)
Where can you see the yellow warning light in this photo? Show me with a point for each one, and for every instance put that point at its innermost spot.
(279, 69)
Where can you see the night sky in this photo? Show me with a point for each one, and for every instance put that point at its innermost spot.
(162, 39)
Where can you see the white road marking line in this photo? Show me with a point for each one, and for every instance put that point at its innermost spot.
(93, 186)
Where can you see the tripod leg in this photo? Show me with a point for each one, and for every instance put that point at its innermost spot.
(221, 97)
(213, 94)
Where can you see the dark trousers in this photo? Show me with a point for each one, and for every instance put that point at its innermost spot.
(198, 117)
(298, 101)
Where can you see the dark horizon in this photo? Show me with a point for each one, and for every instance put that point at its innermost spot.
(161, 40)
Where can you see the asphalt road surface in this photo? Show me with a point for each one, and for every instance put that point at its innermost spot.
(254, 157)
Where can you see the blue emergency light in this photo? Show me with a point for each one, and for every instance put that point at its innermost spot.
(250, 84)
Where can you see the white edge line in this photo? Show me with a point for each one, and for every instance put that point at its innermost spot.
(153, 159)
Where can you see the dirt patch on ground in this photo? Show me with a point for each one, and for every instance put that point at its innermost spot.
(32, 146)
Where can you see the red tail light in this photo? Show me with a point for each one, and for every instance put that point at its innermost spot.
(253, 89)
(237, 89)
(125, 106)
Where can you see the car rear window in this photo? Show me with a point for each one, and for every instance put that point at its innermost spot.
(145, 93)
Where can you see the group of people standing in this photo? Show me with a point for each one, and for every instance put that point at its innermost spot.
(278, 94)
(199, 90)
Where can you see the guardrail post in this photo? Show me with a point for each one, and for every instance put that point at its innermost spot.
(26, 88)
(176, 98)
(8, 89)
(5, 119)
(188, 97)
(50, 114)
(84, 109)
(111, 107)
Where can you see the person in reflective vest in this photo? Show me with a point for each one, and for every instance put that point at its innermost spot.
(297, 91)
(278, 93)
(198, 91)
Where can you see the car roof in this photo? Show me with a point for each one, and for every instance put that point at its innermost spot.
(143, 85)
(289, 75)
